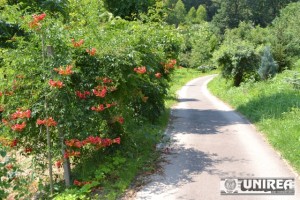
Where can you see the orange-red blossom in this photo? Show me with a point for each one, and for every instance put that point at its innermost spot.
(65, 72)
(36, 19)
(47, 122)
(140, 70)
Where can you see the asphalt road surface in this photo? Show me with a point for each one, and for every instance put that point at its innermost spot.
(209, 142)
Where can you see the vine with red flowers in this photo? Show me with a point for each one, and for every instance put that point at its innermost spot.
(68, 95)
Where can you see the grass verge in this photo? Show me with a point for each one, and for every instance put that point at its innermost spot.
(273, 106)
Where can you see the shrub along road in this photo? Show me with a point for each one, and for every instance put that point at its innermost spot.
(210, 141)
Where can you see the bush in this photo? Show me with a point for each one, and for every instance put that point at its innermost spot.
(79, 84)
(238, 60)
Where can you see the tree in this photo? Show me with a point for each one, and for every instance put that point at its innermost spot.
(191, 16)
(231, 13)
(203, 42)
(127, 8)
(177, 14)
(237, 59)
(201, 14)
(268, 66)
(285, 32)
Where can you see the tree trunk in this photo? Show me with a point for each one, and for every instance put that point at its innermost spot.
(66, 163)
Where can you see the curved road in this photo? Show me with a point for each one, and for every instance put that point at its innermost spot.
(210, 141)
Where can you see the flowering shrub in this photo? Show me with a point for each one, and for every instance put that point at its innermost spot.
(69, 98)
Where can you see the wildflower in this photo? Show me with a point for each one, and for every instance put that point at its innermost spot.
(92, 51)
(1, 94)
(77, 44)
(140, 70)
(56, 84)
(18, 127)
(67, 71)
(158, 75)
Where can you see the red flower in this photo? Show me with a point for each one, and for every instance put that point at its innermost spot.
(40, 17)
(36, 19)
(158, 75)
(82, 95)
(77, 44)
(47, 122)
(71, 154)
(56, 84)
(119, 119)
(74, 143)
(77, 183)
(140, 70)
(169, 65)
(92, 51)
(18, 127)
(1, 94)
(99, 108)
(58, 164)
(40, 122)
(100, 91)
(64, 72)
(21, 114)
(117, 140)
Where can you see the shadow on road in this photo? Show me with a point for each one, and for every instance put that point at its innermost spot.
(194, 121)
(189, 162)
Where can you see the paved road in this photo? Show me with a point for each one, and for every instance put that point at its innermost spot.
(211, 141)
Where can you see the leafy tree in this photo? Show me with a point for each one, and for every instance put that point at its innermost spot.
(203, 42)
(237, 59)
(191, 15)
(178, 14)
(127, 8)
(201, 14)
(231, 13)
(268, 66)
(285, 32)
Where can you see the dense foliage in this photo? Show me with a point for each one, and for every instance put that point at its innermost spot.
(79, 78)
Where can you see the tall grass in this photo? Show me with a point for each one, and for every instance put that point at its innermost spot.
(273, 106)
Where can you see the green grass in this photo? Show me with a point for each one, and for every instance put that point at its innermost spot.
(273, 106)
